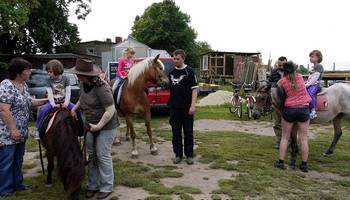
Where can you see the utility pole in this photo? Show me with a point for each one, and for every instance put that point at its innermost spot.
(333, 66)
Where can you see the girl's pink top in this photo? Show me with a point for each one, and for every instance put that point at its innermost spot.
(298, 97)
(124, 66)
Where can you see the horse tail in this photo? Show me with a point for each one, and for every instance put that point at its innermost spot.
(70, 161)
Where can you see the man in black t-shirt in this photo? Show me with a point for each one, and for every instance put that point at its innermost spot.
(182, 101)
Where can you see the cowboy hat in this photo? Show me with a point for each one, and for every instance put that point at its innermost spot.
(85, 67)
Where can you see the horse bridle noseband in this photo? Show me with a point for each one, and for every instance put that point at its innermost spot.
(267, 108)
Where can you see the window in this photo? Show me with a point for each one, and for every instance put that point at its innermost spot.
(90, 51)
(205, 62)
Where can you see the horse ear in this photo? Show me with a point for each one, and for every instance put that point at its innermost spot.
(156, 58)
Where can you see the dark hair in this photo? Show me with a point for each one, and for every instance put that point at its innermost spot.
(318, 54)
(289, 70)
(17, 66)
(180, 52)
(56, 67)
(282, 58)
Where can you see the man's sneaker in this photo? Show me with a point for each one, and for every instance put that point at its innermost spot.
(279, 165)
(313, 115)
(304, 168)
(177, 160)
(189, 160)
(36, 134)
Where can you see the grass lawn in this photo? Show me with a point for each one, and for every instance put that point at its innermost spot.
(250, 156)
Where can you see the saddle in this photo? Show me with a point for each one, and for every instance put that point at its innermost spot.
(321, 103)
(49, 120)
(117, 93)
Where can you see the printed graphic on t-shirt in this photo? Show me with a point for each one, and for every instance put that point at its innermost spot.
(176, 81)
(127, 66)
(58, 90)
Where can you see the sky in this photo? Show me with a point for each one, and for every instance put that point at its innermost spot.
(291, 28)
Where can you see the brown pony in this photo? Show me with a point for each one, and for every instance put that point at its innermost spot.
(134, 100)
(61, 140)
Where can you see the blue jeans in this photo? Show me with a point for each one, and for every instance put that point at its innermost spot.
(313, 90)
(11, 177)
(101, 175)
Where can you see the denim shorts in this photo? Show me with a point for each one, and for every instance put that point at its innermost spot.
(296, 114)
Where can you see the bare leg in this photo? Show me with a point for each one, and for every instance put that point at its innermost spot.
(337, 134)
(129, 122)
(303, 131)
(154, 150)
(286, 132)
(294, 146)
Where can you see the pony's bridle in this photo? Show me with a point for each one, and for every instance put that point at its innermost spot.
(267, 108)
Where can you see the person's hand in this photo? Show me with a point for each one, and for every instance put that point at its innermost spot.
(15, 135)
(192, 110)
(74, 114)
(93, 127)
(64, 105)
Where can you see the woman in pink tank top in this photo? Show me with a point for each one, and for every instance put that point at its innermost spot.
(295, 110)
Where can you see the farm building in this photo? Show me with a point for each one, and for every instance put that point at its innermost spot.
(218, 67)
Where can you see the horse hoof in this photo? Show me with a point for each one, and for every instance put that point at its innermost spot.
(327, 153)
(127, 139)
(134, 154)
(154, 151)
(117, 141)
(48, 185)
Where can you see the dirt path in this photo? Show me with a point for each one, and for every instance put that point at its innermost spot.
(198, 175)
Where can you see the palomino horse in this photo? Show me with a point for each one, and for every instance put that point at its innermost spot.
(134, 100)
(61, 140)
(334, 101)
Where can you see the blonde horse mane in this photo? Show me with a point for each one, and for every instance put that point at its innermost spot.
(139, 68)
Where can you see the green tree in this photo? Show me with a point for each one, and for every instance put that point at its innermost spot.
(164, 26)
(302, 70)
(43, 26)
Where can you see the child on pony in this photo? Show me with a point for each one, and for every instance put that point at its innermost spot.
(125, 64)
(58, 91)
(313, 83)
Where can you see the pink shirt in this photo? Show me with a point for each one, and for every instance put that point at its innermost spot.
(124, 66)
(298, 97)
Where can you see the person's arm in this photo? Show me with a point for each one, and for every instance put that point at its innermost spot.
(9, 121)
(193, 103)
(105, 97)
(120, 68)
(194, 86)
(68, 95)
(39, 102)
(313, 79)
(73, 112)
(50, 96)
(106, 117)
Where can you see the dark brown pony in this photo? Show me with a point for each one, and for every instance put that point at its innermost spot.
(134, 100)
(61, 140)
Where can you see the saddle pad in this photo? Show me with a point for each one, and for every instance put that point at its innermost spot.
(117, 93)
(322, 103)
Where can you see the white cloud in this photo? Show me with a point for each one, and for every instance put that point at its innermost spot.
(280, 27)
